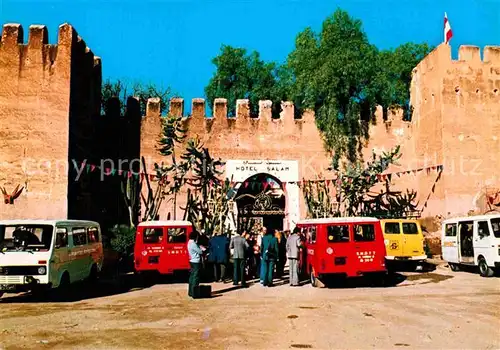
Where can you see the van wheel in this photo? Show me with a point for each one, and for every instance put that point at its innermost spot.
(62, 291)
(484, 269)
(315, 282)
(93, 276)
(453, 267)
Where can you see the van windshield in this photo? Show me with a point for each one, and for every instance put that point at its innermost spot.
(25, 237)
(495, 225)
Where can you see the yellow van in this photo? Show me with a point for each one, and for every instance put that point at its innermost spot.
(404, 240)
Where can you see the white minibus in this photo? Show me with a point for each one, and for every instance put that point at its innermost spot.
(472, 240)
(43, 254)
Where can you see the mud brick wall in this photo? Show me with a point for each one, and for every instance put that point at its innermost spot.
(48, 96)
(241, 137)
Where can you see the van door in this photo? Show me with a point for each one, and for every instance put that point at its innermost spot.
(339, 250)
(367, 253)
(393, 238)
(153, 239)
(450, 242)
(176, 256)
(482, 241)
(413, 241)
(60, 261)
(79, 256)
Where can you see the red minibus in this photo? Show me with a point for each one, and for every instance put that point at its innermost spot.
(161, 246)
(350, 247)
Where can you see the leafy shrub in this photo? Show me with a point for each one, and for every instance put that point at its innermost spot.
(123, 240)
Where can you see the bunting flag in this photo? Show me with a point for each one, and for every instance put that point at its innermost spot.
(337, 180)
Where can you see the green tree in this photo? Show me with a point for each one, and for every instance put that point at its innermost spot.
(333, 72)
(240, 74)
(121, 90)
(392, 80)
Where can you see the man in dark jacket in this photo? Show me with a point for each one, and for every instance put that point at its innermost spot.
(269, 256)
(218, 255)
(239, 245)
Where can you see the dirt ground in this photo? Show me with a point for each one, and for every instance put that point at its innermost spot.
(433, 309)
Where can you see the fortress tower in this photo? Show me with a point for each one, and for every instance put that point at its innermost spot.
(48, 97)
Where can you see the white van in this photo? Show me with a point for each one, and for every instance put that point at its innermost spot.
(472, 240)
(43, 254)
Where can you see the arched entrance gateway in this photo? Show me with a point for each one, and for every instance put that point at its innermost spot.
(265, 194)
(260, 201)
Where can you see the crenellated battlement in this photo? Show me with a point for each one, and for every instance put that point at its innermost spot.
(15, 54)
(440, 58)
(220, 110)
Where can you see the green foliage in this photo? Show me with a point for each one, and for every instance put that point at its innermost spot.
(318, 199)
(354, 196)
(123, 240)
(359, 179)
(245, 75)
(337, 73)
(121, 90)
(392, 80)
(173, 132)
(131, 194)
(207, 200)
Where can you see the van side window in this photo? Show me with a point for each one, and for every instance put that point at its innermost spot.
(61, 237)
(312, 232)
(410, 228)
(79, 236)
(364, 233)
(177, 235)
(339, 233)
(93, 234)
(450, 230)
(392, 228)
(495, 225)
(482, 229)
(152, 235)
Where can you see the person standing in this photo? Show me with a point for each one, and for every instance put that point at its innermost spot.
(269, 257)
(219, 245)
(195, 252)
(239, 245)
(280, 263)
(293, 244)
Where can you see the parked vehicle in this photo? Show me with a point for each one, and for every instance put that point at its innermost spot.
(473, 241)
(43, 254)
(404, 241)
(161, 246)
(348, 247)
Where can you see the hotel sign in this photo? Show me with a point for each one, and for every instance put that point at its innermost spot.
(284, 170)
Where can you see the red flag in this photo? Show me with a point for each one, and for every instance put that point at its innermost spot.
(108, 171)
(151, 177)
(327, 182)
(142, 176)
(447, 29)
(92, 167)
(264, 184)
(120, 172)
(129, 174)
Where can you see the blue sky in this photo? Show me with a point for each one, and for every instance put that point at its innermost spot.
(171, 43)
